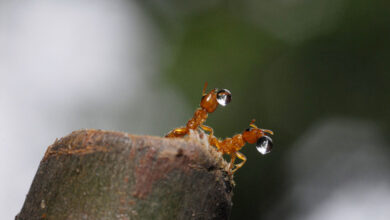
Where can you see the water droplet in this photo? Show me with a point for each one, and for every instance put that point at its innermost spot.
(224, 97)
(264, 145)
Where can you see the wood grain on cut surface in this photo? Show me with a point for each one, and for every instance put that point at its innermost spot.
(95, 174)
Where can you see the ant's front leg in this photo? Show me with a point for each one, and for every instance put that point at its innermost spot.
(231, 164)
(212, 140)
(208, 129)
(177, 132)
(243, 158)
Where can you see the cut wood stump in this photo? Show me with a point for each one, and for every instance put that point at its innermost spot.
(95, 174)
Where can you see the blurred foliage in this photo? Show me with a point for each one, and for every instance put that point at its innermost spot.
(287, 63)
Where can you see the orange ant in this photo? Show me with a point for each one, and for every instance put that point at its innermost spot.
(208, 104)
(231, 146)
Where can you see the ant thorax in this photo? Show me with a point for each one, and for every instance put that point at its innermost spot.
(199, 118)
(230, 145)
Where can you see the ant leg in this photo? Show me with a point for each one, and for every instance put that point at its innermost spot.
(231, 164)
(207, 128)
(212, 139)
(243, 158)
(177, 132)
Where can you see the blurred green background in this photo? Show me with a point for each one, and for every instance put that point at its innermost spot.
(287, 63)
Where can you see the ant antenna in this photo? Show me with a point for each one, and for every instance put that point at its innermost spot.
(252, 123)
(204, 89)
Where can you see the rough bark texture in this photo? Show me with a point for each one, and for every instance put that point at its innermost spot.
(94, 174)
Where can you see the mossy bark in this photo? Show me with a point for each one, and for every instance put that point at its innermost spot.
(94, 174)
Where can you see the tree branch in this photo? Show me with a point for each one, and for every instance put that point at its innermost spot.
(94, 174)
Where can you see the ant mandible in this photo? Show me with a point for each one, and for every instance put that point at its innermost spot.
(231, 146)
(208, 104)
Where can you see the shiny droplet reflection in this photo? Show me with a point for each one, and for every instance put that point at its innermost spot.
(224, 97)
(264, 145)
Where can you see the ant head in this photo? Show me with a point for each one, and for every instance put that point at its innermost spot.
(211, 100)
(253, 134)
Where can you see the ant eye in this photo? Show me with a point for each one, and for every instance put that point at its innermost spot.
(224, 97)
(249, 129)
(264, 145)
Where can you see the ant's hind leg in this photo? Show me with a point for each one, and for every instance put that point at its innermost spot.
(177, 132)
(243, 158)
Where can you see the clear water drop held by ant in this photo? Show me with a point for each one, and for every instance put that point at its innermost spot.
(264, 145)
(224, 97)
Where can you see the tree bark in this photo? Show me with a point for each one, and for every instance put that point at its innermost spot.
(95, 174)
